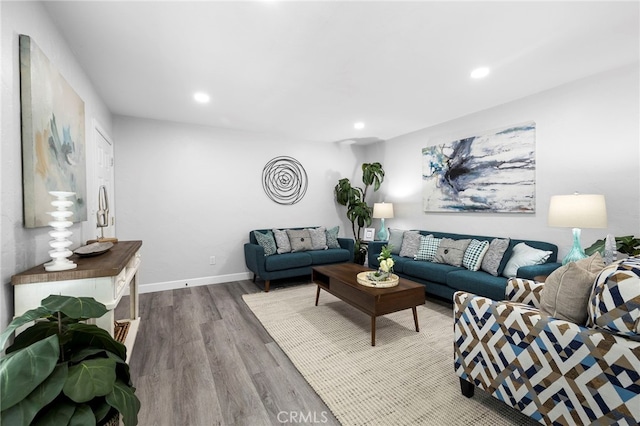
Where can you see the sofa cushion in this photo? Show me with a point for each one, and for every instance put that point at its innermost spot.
(282, 240)
(318, 238)
(400, 262)
(566, 290)
(478, 282)
(266, 241)
(332, 237)
(476, 250)
(451, 251)
(395, 240)
(300, 239)
(287, 261)
(321, 257)
(410, 244)
(493, 256)
(615, 301)
(524, 255)
(436, 272)
(428, 248)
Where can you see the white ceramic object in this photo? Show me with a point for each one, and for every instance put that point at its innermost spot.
(60, 244)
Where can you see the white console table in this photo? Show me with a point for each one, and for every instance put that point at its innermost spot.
(105, 277)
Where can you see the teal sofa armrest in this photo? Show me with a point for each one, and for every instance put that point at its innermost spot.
(373, 251)
(254, 258)
(530, 272)
(348, 244)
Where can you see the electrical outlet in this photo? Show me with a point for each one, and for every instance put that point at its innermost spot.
(212, 260)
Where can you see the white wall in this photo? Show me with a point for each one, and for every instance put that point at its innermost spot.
(587, 140)
(191, 192)
(24, 248)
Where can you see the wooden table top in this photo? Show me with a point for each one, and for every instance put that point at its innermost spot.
(348, 272)
(108, 264)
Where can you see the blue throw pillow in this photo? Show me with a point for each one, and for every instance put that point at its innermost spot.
(332, 237)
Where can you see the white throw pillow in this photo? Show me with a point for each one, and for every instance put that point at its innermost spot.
(524, 255)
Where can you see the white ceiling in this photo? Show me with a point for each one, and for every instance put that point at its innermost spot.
(309, 70)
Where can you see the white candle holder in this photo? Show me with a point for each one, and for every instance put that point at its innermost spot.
(60, 244)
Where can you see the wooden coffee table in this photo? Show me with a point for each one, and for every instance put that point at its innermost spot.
(340, 280)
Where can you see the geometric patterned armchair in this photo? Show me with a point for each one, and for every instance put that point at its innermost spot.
(555, 371)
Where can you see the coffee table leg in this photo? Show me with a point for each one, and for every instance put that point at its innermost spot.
(317, 295)
(373, 331)
(415, 318)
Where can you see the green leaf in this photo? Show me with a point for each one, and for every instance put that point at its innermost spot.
(22, 371)
(90, 378)
(23, 412)
(57, 414)
(100, 409)
(37, 332)
(83, 416)
(23, 319)
(123, 399)
(75, 307)
(92, 336)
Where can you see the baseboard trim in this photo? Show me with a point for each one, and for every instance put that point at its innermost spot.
(193, 282)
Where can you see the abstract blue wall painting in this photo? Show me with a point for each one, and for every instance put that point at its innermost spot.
(492, 172)
(53, 138)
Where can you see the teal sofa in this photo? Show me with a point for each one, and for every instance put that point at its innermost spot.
(443, 280)
(287, 265)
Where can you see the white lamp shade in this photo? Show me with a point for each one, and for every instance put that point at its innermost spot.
(382, 210)
(578, 211)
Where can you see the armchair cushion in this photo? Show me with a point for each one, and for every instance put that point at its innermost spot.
(615, 303)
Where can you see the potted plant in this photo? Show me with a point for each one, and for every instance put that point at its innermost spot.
(628, 245)
(62, 371)
(358, 211)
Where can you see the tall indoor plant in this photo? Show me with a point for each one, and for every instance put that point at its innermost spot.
(62, 371)
(358, 211)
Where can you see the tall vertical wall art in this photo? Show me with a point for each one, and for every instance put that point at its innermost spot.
(53, 137)
(492, 172)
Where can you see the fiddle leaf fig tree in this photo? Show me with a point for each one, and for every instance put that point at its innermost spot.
(62, 371)
(353, 198)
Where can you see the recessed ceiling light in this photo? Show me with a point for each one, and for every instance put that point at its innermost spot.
(201, 97)
(481, 72)
(359, 125)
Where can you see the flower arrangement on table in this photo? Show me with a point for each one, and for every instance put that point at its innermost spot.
(386, 265)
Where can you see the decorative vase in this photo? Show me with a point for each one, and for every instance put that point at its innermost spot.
(60, 234)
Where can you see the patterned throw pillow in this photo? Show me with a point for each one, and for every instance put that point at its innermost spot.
(524, 255)
(428, 248)
(266, 241)
(318, 238)
(410, 244)
(472, 259)
(332, 237)
(451, 251)
(282, 240)
(300, 239)
(493, 256)
(395, 240)
(615, 299)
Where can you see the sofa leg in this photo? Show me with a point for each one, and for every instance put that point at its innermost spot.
(467, 388)
(254, 278)
(267, 283)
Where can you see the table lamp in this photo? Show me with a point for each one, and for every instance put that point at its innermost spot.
(577, 211)
(383, 211)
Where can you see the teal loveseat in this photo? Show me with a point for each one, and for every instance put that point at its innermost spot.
(286, 265)
(443, 280)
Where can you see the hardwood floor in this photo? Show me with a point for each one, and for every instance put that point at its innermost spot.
(202, 358)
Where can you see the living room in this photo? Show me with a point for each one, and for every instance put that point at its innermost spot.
(191, 191)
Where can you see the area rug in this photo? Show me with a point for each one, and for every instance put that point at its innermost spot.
(406, 379)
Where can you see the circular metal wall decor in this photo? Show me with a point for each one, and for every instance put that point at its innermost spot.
(284, 180)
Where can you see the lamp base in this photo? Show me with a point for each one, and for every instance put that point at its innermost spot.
(383, 234)
(576, 253)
